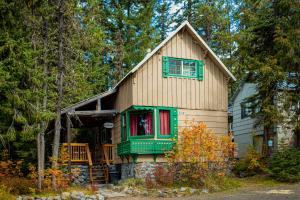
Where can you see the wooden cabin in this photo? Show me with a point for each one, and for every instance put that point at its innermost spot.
(181, 80)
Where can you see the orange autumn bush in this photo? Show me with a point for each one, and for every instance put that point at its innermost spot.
(61, 177)
(199, 152)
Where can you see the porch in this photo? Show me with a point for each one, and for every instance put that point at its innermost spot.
(86, 138)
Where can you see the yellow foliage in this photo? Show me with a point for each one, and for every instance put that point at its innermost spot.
(198, 144)
(200, 151)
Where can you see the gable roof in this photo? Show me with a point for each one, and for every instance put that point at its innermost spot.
(200, 40)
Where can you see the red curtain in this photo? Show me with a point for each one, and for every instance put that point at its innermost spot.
(133, 125)
(164, 119)
(148, 124)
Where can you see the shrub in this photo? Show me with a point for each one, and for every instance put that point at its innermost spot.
(17, 185)
(4, 194)
(251, 165)
(163, 176)
(284, 165)
(9, 168)
(200, 152)
(132, 182)
(62, 179)
(215, 183)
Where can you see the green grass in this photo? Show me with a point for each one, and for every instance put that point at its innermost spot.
(258, 181)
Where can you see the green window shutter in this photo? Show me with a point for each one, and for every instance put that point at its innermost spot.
(200, 67)
(174, 122)
(165, 65)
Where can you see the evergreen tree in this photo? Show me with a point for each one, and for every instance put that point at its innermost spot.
(163, 18)
(214, 21)
(130, 34)
(269, 32)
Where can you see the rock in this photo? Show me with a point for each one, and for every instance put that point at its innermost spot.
(128, 191)
(77, 195)
(28, 198)
(56, 198)
(145, 193)
(117, 188)
(49, 198)
(183, 189)
(19, 198)
(193, 191)
(204, 191)
(100, 197)
(90, 197)
(65, 195)
(161, 193)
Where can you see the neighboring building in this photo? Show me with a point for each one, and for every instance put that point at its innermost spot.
(245, 127)
(180, 81)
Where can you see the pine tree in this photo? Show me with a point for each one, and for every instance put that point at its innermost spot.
(214, 21)
(269, 32)
(130, 34)
(163, 18)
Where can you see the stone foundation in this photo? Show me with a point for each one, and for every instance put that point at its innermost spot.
(80, 174)
(139, 170)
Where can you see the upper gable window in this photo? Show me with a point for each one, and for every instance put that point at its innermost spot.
(185, 68)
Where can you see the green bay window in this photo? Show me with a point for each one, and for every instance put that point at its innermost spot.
(140, 122)
(185, 68)
(147, 130)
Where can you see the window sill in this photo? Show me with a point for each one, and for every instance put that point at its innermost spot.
(141, 136)
(165, 136)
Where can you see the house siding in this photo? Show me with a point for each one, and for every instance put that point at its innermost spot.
(150, 88)
(124, 95)
(205, 100)
(244, 129)
(217, 121)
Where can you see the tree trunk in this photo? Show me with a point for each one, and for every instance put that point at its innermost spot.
(41, 135)
(59, 90)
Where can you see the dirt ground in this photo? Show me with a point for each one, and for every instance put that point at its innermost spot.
(248, 192)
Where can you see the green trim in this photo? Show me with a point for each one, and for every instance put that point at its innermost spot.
(173, 122)
(137, 109)
(144, 147)
(199, 68)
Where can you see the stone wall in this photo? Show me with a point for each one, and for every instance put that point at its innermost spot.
(80, 174)
(139, 170)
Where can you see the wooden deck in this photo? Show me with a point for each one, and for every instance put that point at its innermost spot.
(79, 153)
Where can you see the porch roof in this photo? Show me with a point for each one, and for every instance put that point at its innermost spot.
(84, 102)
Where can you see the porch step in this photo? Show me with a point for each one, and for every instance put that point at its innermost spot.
(98, 174)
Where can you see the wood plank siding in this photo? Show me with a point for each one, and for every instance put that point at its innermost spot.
(215, 120)
(197, 100)
(147, 86)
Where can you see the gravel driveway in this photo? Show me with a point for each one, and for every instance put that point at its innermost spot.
(280, 192)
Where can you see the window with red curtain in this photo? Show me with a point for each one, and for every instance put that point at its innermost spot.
(164, 121)
(141, 123)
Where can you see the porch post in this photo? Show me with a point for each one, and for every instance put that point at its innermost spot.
(69, 143)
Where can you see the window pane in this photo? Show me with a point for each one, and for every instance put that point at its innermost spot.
(164, 119)
(174, 67)
(189, 68)
(141, 124)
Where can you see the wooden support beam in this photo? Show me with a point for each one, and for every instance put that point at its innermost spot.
(69, 136)
(98, 104)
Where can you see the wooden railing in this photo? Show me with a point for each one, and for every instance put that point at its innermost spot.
(107, 155)
(80, 153)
